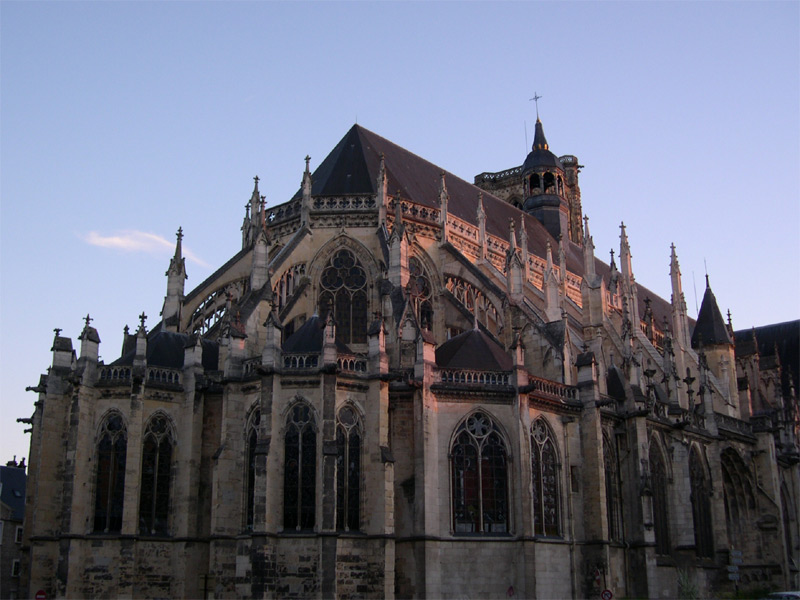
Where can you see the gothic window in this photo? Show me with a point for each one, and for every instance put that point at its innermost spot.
(344, 291)
(789, 517)
(419, 292)
(348, 470)
(250, 478)
(613, 487)
(479, 467)
(544, 476)
(658, 482)
(112, 447)
(156, 466)
(701, 508)
(535, 183)
(300, 469)
(738, 496)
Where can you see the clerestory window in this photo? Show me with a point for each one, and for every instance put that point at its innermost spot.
(348, 470)
(300, 469)
(156, 469)
(479, 467)
(344, 291)
(544, 475)
(112, 447)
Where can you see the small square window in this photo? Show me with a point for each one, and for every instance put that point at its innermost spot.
(18, 535)
(15, 568)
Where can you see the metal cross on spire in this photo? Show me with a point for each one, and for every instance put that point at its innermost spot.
(536, 98)
(88, 319)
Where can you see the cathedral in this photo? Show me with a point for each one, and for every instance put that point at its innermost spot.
(406, 385)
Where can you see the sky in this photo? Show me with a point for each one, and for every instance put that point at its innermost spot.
(122, 121)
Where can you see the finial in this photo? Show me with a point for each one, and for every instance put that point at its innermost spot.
(536, 98)
(612, 256)
(255, 189)
(88, 319)
(142, 319)
(126, 330)
(179, 235)
(708, 285)
(58, 331)
(729, 320)
(586, 224)
(308, 160)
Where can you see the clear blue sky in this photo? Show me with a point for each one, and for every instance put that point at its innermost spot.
(121, 121)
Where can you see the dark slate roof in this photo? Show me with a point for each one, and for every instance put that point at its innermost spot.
(13, 494)
(781, 337)
(309, 338)
(710, 326)
(473, 349)
(166, 349)
(540, 155)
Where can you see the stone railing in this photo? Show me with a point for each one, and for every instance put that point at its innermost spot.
(552, 389)
(344, 203)
(465, 376)
(301, 361)
(492, 177)
(250, 366)
(417, 212)
(733, 424)
(112, 375)
(283, 212)
(352, 364)
(163, 376)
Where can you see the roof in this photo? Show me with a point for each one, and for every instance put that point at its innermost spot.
(475, 350)
(782, 339)
(540, 155)
(710, 327)
(166, 349)
(309, 338)
(13, 490)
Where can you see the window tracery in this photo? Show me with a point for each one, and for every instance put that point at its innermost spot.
(658, 482)
(343, 287)
(300, 469)
(701, 508)
(348, 470)
(112, 447)
(613, 489)
(738, 495)
(479, 467)
(156, 468)
(419, 293)
(544, 471)
(250, 477)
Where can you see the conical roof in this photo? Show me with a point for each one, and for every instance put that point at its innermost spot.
(710, 326)
(475, 350)
(540, 155)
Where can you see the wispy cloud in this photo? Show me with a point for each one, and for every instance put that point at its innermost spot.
(139, 241)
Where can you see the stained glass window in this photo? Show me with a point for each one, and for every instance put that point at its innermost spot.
(419, 293)
(544, 475)
(250, 490)
(112, 447)
(701, 508)
(344, 291)
(300, 469)
(348, 470)
(156, 466)
(479, 466)
(613, 494)
(658, 478)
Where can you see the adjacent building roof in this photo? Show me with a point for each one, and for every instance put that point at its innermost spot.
(781, 340)
(12, 484)
(473, 350)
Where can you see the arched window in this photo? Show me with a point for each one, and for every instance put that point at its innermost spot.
(300, 469)
(544, 476)
(535, 183)
(112, 447)
(250, 476)
(156, 466)
(549, 183)
(658, 482)
(419, 293)
(613, 489)
(479, 467)
(701, 508)
(739, 499)
(348, 470)
(344, 290)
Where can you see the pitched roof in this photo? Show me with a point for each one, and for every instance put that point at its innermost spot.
(781, 337)
(309, 338)
(166, 349)
(473, 349)
(710, 326)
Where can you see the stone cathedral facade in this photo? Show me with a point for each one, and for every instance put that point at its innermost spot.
(405, 385)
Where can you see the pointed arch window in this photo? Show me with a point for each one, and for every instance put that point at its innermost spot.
(344, 290)
(419, 292)
(659, 481)
(300, 469)
(613, 489)
(701, 507)
(544, 476)
(250, 476)
(479, 468)
(112, 448)
(348, 470)
(156, 469)
(738, 495)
